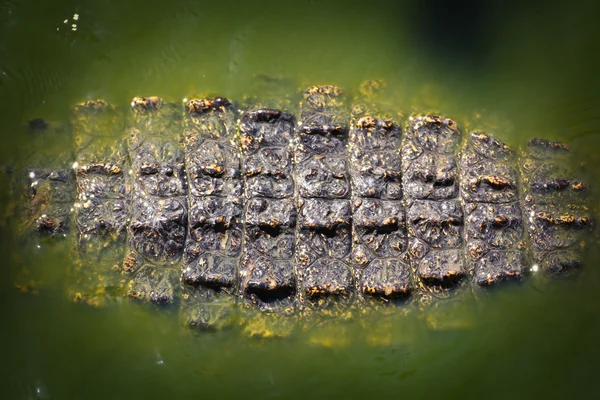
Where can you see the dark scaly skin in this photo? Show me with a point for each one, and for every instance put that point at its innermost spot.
(379, 218)
(324, 235)
(214, 242)
(345, 200)
(267, 273)
(158, 227)
(435, 217)
(494, 231)
(103, 202)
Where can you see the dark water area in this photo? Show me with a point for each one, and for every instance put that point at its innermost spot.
(534, 64)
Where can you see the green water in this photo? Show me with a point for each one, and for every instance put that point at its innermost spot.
(535, 64)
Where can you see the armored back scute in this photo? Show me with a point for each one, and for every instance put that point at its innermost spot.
(214, 243)
(158, 227)
(324, 235)
(435, 216)
(379, 217)
(268, 278)
(494, 232)
(379, 236)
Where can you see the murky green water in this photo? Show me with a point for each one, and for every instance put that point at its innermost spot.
(535, 64)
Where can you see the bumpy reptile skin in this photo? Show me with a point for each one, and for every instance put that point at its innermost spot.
(218, 202)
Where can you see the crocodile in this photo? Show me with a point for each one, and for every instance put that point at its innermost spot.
(285, 206)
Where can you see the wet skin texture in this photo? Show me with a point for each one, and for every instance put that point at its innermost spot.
(213, 203)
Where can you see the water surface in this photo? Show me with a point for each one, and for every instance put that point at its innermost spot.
(535, 66)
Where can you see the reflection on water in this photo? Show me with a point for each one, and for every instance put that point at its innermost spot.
(533, 66)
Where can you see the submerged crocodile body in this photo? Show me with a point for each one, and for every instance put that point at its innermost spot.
(347, 203)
